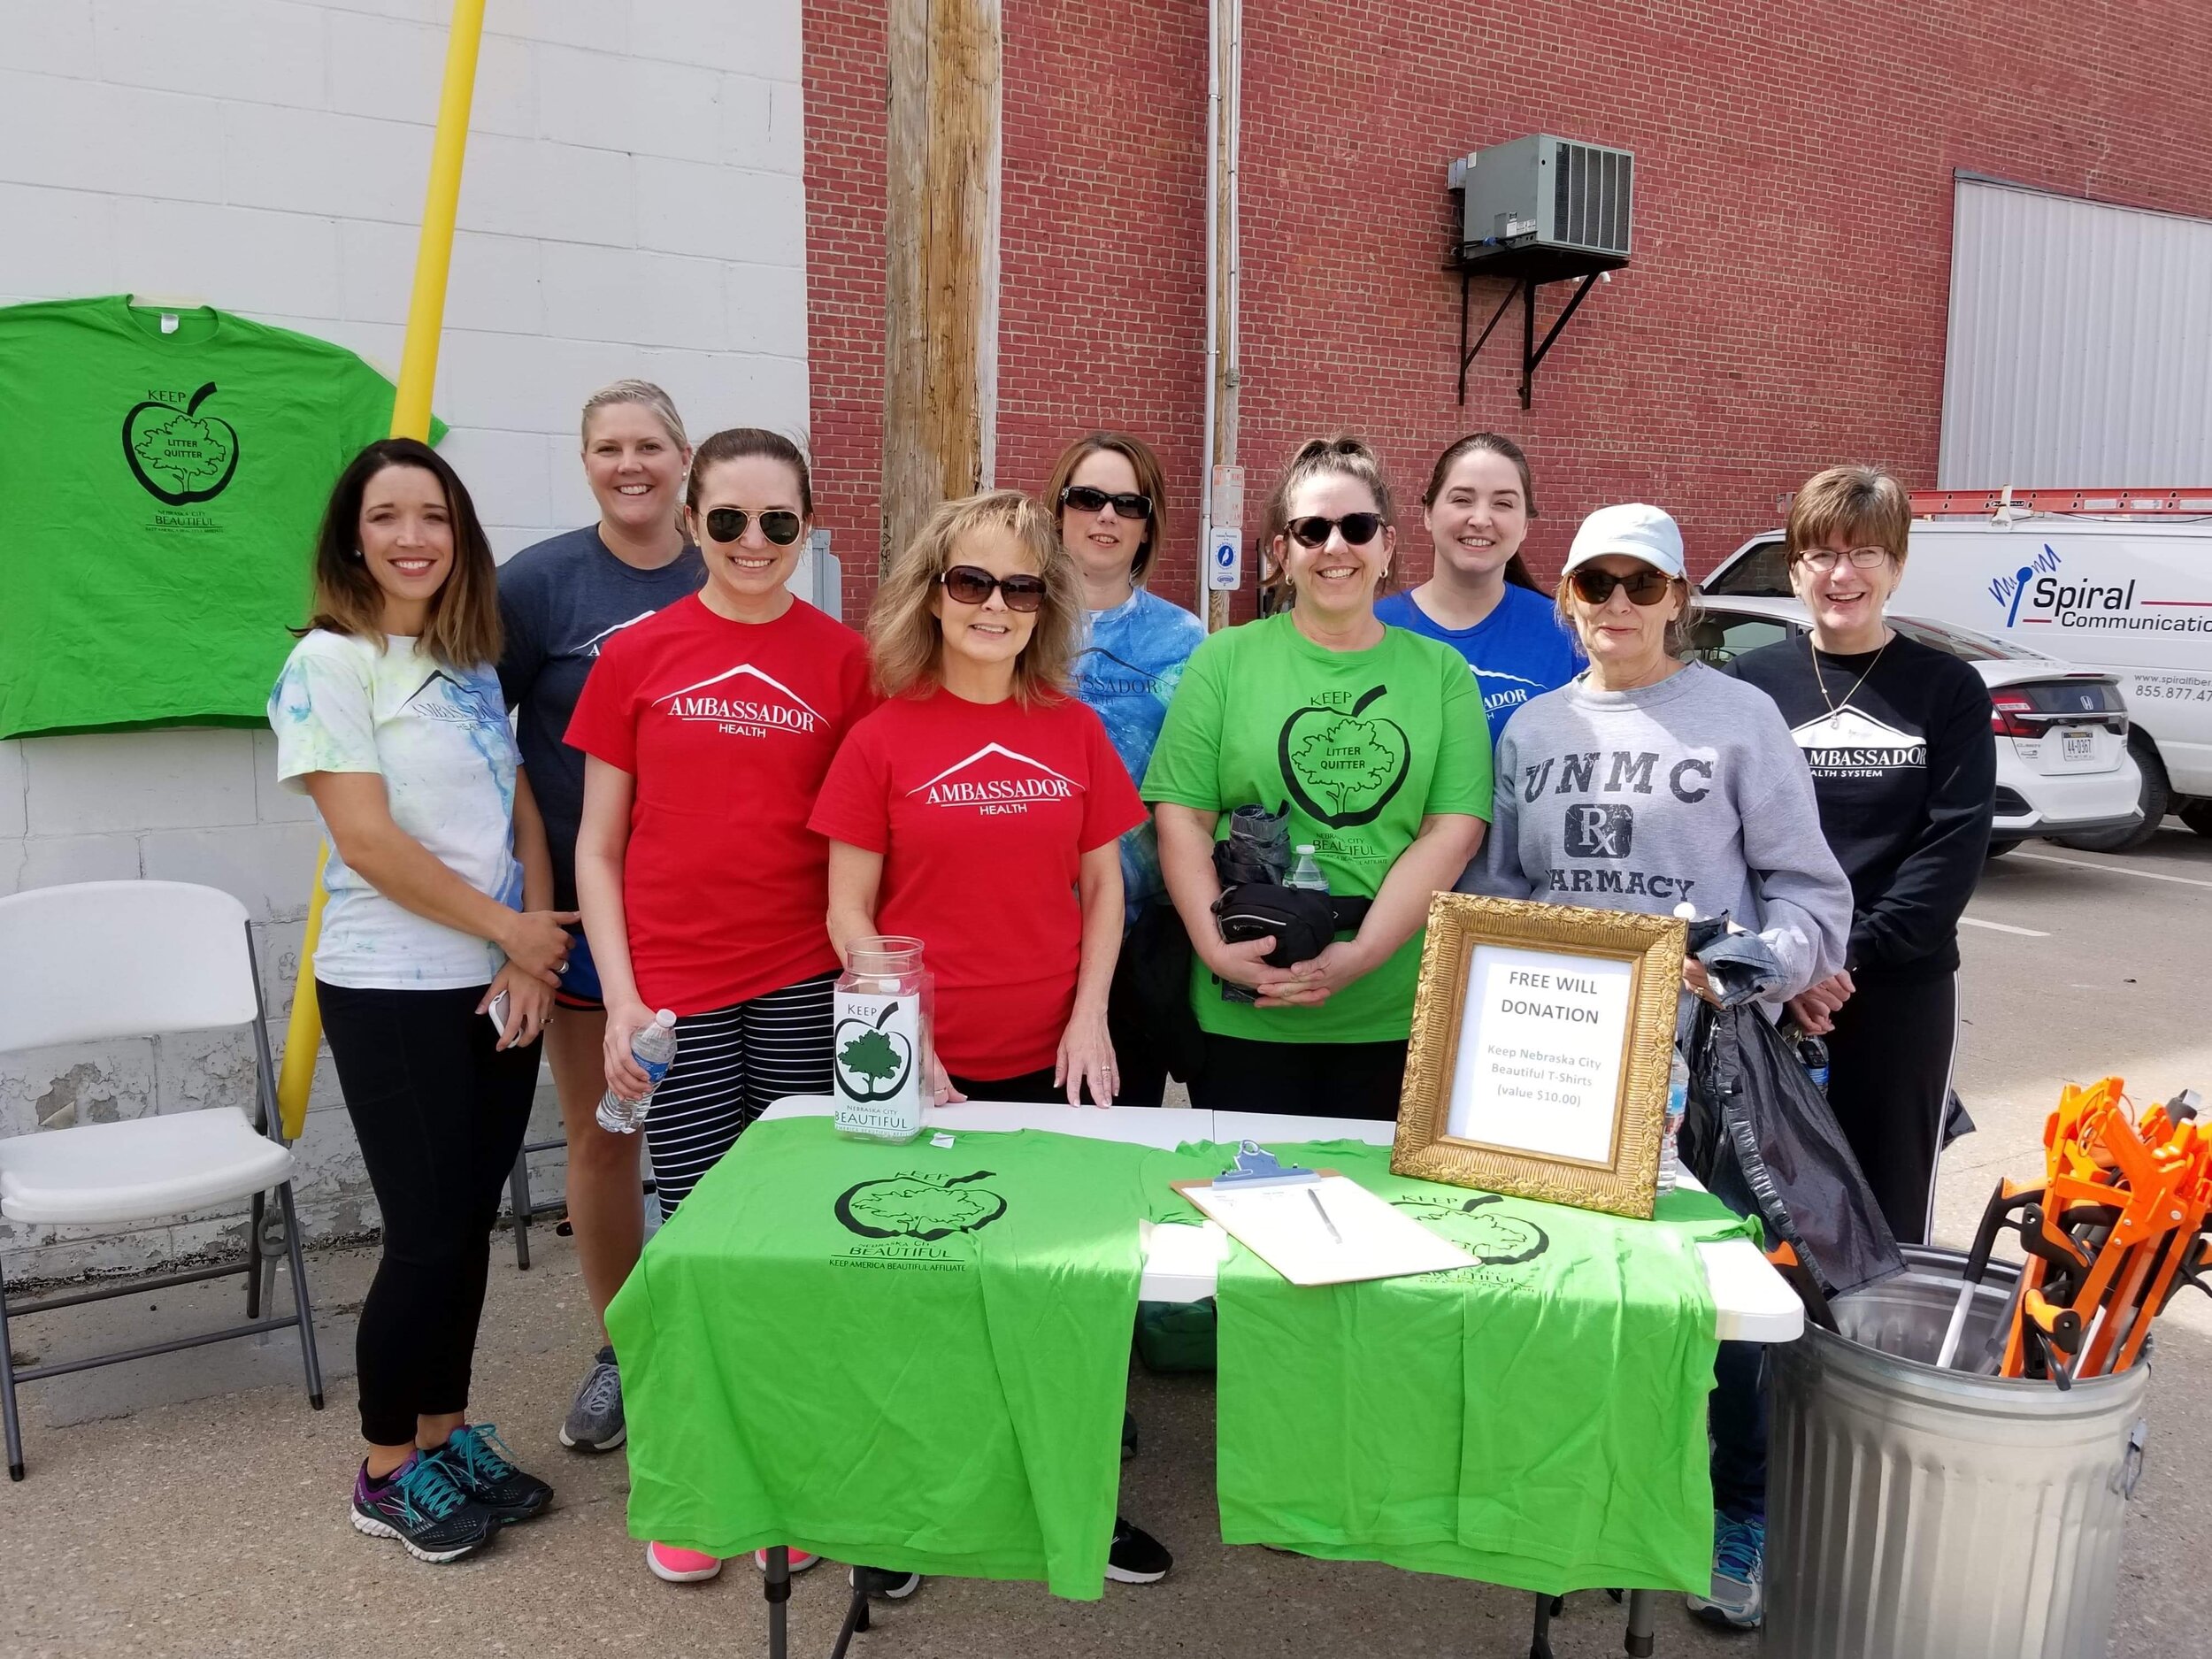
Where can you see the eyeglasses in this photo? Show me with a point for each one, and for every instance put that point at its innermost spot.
(1127, 503)
(1823, 558)
(1645, 587)
(973, 587)
(1359, 528)
(780, 524)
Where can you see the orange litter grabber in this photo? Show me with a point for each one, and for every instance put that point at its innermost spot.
(2117, 1226)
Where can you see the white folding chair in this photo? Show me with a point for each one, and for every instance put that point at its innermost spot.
(107, 959)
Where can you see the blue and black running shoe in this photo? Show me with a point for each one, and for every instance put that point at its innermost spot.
(476, 1461)
(421, 1507)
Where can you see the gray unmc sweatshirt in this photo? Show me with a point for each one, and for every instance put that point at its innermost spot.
(1691, 790)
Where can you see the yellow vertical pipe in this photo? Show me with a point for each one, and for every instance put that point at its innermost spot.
(410, 418)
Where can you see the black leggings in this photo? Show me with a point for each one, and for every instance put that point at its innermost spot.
(1309, 1080)
(1890, 1059)
(440, 1116)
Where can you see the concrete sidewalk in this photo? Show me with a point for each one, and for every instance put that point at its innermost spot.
(212, 1520)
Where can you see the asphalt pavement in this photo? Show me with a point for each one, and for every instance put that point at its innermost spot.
(194, 1506)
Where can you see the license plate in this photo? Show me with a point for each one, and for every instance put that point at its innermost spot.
(2078, 745)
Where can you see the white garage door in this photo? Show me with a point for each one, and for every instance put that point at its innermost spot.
(2080, 348)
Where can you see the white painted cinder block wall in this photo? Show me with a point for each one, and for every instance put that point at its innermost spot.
(632, 205)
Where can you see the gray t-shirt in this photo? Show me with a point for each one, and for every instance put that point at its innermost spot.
(557, 602)
(1688, 791)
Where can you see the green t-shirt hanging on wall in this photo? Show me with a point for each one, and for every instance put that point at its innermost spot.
(162, 474)
(910, 1356)
(1536, 1421)
(1362, 745)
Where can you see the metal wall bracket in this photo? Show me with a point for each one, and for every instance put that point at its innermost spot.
(1532, 353)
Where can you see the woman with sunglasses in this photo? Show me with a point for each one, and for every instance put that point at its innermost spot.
(1480, 599)
(1897, 735)
(980, 809)
(559, 601)
(1111, 500)
(1374, 738)
(980, 768)
(707, 730)
(1651, 782)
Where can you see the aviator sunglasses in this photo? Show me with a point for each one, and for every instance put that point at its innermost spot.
(1359, 528)
(972, 586)
(780, 524)
(1645, 587)
(1128, 505)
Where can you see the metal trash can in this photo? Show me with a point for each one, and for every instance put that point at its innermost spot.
(1913, 1513)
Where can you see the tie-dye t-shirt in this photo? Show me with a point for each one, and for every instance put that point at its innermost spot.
(1131, 662)
(439, 739)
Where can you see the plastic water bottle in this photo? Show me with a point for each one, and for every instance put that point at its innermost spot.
(1812, 1054)
(1306, 873)
(654, 1049)
(1670, 1131)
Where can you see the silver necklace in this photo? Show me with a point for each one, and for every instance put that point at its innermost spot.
(1835, 712)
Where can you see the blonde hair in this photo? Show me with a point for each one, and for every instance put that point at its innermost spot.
(1342, 456)
(1862, 502)
(647, 396)
(905, 643)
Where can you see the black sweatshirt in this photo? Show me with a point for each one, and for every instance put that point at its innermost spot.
(1905, 770)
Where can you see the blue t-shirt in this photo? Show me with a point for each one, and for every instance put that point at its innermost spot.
(1131, 662)
(559, 601)
(1520, 650)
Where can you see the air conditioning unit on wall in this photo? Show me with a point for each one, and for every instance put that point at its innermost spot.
(1545, 207)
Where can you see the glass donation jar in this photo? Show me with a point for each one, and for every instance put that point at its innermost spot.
(880, 1049)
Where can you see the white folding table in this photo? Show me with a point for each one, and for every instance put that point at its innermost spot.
(1751, 1303)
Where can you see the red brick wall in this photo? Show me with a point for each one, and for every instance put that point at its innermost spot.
(1786, 303)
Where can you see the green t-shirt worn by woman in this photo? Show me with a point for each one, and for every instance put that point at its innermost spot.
(1362, 745)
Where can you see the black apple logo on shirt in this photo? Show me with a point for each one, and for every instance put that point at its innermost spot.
(195, 453)
(1343, 771)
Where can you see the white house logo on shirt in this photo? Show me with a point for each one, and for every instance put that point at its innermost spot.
(1510, 697)
(743, 702)
(590, 647)
(1851, 743)
(445, 697)
(996, 781)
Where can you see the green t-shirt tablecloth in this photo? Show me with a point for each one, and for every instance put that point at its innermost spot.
(1362, 745)
(1536, 1421)
(162, 473)
(914, 1357)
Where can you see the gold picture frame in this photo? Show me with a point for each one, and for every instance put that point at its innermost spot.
(1501, 1115)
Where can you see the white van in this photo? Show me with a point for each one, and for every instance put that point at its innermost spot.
(2128, 595)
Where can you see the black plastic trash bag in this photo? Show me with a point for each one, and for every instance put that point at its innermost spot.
(1760, 1135)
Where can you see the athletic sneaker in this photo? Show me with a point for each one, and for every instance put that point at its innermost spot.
(800, 1560)
(881, 1581)
(1738, 1598)
(681, 1566)
(419, 1505)
(476, 1461)
(594, 1422)
(1135, 1557)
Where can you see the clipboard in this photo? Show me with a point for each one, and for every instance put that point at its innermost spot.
(1315, 1226)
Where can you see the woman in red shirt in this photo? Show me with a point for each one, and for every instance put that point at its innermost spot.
(707, 729)
(978, 810)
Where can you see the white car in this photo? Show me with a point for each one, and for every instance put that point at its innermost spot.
(2062, 732)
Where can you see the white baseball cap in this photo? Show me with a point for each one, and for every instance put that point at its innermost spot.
(1633, 529)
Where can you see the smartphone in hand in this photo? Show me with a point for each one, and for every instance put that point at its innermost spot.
(497, 1014)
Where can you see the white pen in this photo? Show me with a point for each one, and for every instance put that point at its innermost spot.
(1315, 1193)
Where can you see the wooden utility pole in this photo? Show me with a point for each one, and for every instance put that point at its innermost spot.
(940, 287)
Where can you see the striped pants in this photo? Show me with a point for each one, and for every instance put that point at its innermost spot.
(731, 1065)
